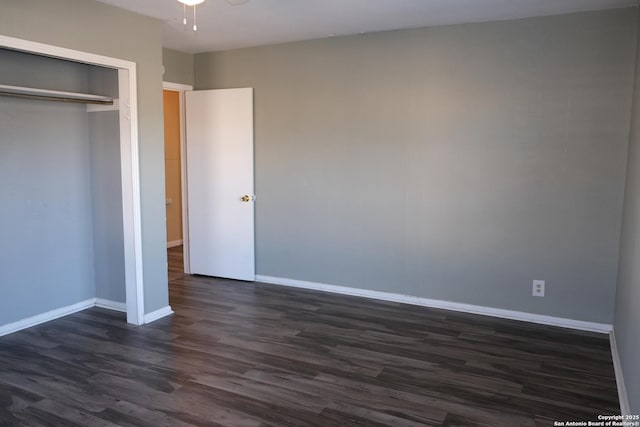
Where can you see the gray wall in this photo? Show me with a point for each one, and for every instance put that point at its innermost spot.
(106, 190)
(46, 259)
(457, 163)
(60, 178)
(106, 198)
(97, 28)
(627, 313)
(178, 66)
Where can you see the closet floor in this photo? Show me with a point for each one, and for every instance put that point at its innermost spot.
(245, 354)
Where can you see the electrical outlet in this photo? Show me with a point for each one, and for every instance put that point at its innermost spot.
(538, 288)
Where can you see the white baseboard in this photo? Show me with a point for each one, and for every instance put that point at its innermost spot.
(45, 317)
(158, 314)
(625, 409)
(174, 243)
(604, 328)
(74, 308)
(61, 312)
(111, 305)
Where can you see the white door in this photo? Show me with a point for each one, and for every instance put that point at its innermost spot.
(219, 154)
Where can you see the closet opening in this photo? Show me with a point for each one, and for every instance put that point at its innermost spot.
(69, 175)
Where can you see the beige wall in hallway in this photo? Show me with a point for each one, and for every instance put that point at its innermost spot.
(172, 165)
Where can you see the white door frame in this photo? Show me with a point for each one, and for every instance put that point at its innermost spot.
(129, 160)
(181, 89)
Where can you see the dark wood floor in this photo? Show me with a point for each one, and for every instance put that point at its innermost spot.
(175, 257)
(243, 354)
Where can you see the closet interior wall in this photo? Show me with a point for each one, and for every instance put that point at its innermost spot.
(106, 190)
(61, 213)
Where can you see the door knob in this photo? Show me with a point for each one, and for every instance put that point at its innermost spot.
(247, 198)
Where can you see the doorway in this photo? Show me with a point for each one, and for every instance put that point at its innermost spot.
(216, 182)
(220, 172)
(175, 184)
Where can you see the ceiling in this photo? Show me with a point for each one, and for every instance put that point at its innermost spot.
(223, 26)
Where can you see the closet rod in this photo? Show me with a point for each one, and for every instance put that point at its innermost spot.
(54, 95)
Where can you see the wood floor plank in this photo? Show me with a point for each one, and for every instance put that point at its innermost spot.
(249, 355)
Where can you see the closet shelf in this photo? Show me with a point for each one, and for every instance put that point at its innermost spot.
(54, 95)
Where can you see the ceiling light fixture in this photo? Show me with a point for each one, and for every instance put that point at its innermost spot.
(192, 3)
